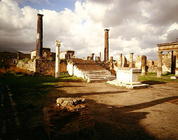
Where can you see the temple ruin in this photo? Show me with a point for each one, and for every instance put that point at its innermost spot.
(106, 45)
(168, 62)
(92, 67)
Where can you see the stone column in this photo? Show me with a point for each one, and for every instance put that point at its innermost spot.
(121, 63)
(172, 62)
(92, 56)
(131, 60)
(100, 56)
(159, 68)
(176, 69)
(39, 36)
(106, 45)
(57, 62)
(143, 64)
(111, 63)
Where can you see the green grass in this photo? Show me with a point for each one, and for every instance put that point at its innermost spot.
(31, 94)
(151, 77)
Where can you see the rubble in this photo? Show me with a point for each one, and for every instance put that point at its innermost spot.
(68, 118)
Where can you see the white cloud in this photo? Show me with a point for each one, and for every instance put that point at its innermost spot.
(135, 26)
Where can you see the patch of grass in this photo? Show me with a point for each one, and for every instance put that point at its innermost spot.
(31, 94)
(151, 77)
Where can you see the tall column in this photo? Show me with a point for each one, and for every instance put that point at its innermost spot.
(159, 68)
(172, 62)
(106, 45)
(131, 60)
(92, 56)
(143, 64)
(57, 62)
(39, 37)
(176, 69)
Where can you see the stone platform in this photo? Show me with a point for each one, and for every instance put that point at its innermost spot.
(128, 85)
(128, 77)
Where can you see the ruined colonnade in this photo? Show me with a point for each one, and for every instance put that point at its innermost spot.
(170, 47)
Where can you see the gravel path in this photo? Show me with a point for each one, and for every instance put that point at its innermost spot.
(119, 113)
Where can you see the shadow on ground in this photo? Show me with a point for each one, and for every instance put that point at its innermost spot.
(92, 93)
(111, 122)
(152, 82)
(116, 123)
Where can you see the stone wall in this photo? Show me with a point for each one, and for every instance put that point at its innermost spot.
(27, 64)
(73, 70)
(42, 66)
(152, 66)
(138, 63)
(63, 66)
(7, 59)
(45, 67)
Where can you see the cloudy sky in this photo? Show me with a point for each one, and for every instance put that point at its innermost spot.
(135, 25)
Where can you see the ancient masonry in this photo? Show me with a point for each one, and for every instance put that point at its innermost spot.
(106, 45)
(172, 56)
(93, 68)
(39, 36)
(42, 59)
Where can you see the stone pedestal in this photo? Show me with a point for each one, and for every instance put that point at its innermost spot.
(128, 78)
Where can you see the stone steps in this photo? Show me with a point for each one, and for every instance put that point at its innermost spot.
(99, 76)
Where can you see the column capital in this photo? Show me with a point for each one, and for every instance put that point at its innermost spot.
(40, 15)
(106, 30)
(58, 43)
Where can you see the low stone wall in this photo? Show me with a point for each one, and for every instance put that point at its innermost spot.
(26, 64)
(42, 66)
(73, 70)
(45, 67)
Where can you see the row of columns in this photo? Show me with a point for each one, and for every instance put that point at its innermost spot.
(131, 64)
(159, 66)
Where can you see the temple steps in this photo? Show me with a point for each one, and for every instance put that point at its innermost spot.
(99, 76)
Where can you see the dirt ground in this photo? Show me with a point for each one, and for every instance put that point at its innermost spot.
(119, 113)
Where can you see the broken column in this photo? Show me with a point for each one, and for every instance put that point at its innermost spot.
(120, 62)
(57, 63)
(100, 56)
(159, 68)
(39, 37)
(131, 65)
(176, 69)
(143, 64)
(92, 56)
(111, 63)
(172, 62)
(106, 45)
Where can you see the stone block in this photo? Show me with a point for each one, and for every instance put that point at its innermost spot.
(128, 78)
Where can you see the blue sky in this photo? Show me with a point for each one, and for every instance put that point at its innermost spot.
(56, 5)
